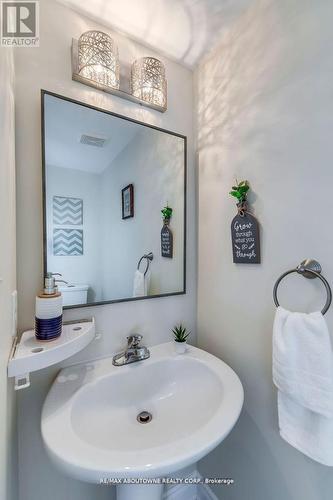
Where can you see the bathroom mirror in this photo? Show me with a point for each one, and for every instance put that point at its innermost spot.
(106, 179)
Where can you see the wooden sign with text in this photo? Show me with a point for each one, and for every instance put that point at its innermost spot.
(245, 239)
(166, 242)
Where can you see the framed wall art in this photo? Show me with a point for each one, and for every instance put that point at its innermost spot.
(127, 198)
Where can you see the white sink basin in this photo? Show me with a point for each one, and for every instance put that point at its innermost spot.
(89, 419)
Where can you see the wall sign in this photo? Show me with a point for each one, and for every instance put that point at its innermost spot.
(166, 233)
(166, 242)
(245, 239)
(244, 229)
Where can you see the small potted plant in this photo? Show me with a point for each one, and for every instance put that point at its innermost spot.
(180, 335)
(167, 214)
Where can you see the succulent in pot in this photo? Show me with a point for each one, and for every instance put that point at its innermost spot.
(180, 335)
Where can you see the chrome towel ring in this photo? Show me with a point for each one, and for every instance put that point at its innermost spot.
(149, 257)
(310, 269)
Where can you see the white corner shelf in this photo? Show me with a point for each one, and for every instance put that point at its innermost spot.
(29, 354)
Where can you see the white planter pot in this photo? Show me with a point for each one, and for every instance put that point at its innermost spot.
(180, 347)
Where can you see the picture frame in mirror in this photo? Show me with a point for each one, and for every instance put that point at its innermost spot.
(127, 199)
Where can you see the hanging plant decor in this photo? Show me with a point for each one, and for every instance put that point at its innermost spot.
(166, 234)
(244, 229)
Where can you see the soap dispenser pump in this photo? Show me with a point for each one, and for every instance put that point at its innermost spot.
(50, 287)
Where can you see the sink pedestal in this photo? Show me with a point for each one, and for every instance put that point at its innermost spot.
(140, 491)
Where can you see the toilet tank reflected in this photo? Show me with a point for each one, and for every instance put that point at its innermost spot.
(74, 294)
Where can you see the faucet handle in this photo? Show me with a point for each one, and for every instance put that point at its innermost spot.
(134, 340)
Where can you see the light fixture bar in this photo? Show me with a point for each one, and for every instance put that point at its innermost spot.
(109, 90)
(148, 81)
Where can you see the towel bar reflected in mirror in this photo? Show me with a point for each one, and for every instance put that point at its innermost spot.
(149, 257)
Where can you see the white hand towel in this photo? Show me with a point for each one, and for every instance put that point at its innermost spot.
(303, 359)
(140, 284)
(147, 282)
(303, 373)
(308, 432)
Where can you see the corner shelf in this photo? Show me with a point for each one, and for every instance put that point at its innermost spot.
(29, 355)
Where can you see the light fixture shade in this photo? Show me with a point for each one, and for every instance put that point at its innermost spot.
(148, 81)
(98, 58)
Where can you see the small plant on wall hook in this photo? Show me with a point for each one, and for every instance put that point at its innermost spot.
(239, 191)
(167, 214)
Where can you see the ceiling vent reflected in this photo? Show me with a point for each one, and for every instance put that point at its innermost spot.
(91, 140)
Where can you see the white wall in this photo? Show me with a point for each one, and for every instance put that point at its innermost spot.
(154, 163)
(48, 67)
(8, 441)
(265, 113)
(86, 268)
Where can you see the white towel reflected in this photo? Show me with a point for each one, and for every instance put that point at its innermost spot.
(303, 374)
(141, 284)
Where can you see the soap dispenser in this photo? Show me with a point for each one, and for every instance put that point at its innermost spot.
(48, 315)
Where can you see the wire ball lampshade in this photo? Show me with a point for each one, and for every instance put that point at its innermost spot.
(98, 58)
(148, 81)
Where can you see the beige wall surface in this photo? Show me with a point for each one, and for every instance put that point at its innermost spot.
(265, 113)
(8, 442)
(49, 67)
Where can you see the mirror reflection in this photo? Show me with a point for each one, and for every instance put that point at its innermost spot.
(114, 198)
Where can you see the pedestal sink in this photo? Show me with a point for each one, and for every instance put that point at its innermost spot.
(144, 420)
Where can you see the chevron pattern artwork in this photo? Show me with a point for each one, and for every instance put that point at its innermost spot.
(67, 242)
(67, 211)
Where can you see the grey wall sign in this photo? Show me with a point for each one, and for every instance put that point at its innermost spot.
(166, 242)
(245, 239)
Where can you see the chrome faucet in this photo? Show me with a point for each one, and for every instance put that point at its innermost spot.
(57, 280)
(61, 281)
(134, 352)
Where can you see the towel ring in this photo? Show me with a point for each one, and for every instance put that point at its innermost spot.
(149, 257)
(309, 269)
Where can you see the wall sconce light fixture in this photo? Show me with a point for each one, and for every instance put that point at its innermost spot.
(148, 81)
(95, 62)
(98, 59)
